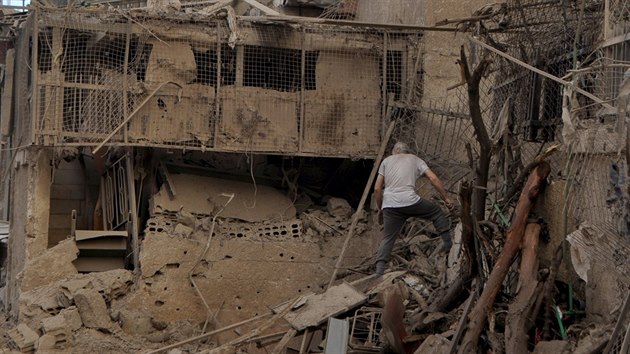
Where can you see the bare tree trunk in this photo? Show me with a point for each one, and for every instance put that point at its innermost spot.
(485, 144)
(479, 313)
(520, 316)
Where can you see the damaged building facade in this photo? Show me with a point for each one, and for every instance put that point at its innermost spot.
(189, 175)
(157, 144)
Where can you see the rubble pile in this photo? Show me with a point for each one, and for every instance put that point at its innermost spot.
(116, 311)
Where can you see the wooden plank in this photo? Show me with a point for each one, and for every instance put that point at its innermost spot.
(169, 182)
(318, 308)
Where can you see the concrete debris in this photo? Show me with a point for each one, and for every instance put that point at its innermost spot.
(23, 338)
(252, 203)
(136, 322)
(339, 207)
(318, 308)
(72, 318)
(53, 265)
(56, 332)
(93, 309)
(182, 230)
(434, 344)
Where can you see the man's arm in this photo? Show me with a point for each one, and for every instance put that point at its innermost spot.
(378, 191)
(439, 186)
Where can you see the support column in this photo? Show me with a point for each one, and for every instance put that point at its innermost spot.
(29, 216)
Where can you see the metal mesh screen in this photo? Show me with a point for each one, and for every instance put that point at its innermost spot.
(209, 83)
(619, 11)
(554, 38)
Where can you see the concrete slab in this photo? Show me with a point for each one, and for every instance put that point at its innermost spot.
(203, 196)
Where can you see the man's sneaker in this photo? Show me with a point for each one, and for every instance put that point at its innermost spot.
(380, 268)
(442, 248)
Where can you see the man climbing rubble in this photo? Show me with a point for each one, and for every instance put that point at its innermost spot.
(398, 174)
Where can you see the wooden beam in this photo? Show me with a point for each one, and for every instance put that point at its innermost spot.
(357, 24)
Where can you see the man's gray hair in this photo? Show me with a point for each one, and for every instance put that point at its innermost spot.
(404, 148)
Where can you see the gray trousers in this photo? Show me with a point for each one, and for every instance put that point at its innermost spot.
(394, 219)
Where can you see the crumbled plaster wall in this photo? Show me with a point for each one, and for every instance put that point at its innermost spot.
(29, 215)
(239, 276)
(250, 265)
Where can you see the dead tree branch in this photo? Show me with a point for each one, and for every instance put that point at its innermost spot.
(515, 233)
(521, 314)
(485, 144)
(468, 240)
(518, 182)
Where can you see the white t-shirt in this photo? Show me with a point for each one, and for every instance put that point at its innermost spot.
(400, 172)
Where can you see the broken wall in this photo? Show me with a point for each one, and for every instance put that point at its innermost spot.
(259, 252)
(25, 173)
(29, 216)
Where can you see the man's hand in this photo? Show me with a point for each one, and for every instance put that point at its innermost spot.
(379, 217)
(448, 204)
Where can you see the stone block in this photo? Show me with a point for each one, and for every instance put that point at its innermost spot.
(72, 317)
(92, 309)
(46, 343)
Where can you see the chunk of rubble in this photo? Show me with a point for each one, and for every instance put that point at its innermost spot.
(339, 207)
(56, 332)
(434, 344)
(72, 318)
(136, 322)
(47, 343)
(52, 265)
(182, 230)
(23, 338)
(92, 309)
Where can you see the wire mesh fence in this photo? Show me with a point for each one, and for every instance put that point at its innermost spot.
(563, 41)
(211, 83)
